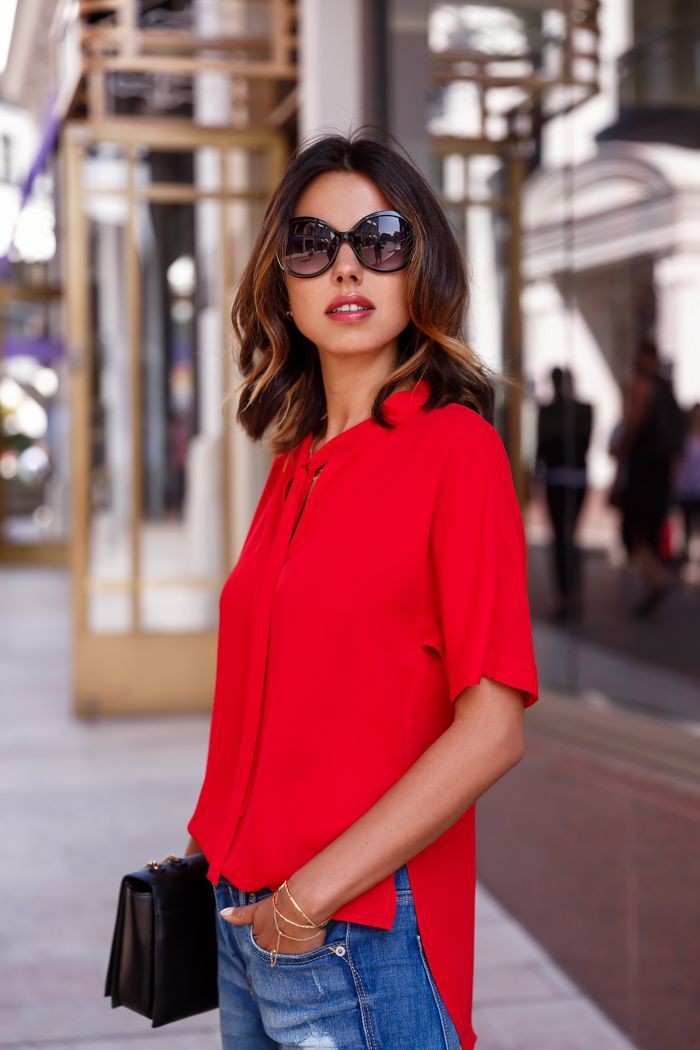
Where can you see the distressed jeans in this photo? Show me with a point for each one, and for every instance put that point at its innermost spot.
(364, 988)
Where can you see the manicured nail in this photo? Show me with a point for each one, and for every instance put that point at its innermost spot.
(227, 911)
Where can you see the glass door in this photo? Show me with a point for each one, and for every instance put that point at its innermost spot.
(159, 226)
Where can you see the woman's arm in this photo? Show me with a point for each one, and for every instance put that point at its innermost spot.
(483, 742)
(192, 847)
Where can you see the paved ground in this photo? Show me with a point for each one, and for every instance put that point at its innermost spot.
(81, 803)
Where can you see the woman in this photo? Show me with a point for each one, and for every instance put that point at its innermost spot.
(375, 652)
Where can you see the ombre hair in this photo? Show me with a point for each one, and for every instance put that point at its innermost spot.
(282, 384)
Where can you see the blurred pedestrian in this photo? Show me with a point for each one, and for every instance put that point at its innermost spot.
(563, 436)
(687, 481)
(648, 452)
(614, 450)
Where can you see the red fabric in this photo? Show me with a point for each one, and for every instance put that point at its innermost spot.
(666, 539)
(403, 583)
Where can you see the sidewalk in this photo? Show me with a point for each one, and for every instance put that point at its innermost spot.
(84, 802)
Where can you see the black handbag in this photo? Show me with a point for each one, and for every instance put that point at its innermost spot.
(163, 961)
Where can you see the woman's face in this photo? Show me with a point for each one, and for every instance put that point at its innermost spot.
(341, 199)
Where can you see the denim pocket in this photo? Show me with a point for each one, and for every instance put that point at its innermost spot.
(334, 943)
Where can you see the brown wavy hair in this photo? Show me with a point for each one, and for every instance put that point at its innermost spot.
(282, 384)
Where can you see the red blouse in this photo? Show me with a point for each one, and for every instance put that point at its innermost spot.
(403, 582)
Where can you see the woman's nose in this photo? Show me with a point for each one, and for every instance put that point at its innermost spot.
(346, 264)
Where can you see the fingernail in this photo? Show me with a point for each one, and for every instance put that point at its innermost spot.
(227, 911)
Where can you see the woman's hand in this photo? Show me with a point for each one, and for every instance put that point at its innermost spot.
(261, 915)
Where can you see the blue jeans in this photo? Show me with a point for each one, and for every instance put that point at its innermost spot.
(364, 988)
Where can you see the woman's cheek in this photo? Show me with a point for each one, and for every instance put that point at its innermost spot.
(309, 316)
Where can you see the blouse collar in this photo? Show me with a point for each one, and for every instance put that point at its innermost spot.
(397, 407)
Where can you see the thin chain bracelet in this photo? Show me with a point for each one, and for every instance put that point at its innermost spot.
(307, 925)
(275, 952)
(291, 936)
(302, 925)
(289, 893)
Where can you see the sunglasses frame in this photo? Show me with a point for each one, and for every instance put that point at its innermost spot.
(346, 235)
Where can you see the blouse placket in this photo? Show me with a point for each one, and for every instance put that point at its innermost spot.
(292, 512)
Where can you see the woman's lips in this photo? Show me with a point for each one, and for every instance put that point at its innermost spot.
(350, 316)
(349, 307)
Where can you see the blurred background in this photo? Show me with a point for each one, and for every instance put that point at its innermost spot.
(139, 143)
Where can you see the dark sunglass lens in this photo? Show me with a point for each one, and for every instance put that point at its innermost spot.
(384, 241)
(309, 247)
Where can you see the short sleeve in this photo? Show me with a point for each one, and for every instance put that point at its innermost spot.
(479, 562)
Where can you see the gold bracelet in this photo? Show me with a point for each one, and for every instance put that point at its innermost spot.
(276, 950)
(292, 922)
(275, 912)
(289, 936)
(301, 925)
(289, 892)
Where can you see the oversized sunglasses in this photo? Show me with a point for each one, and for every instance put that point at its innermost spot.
(382, 241)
